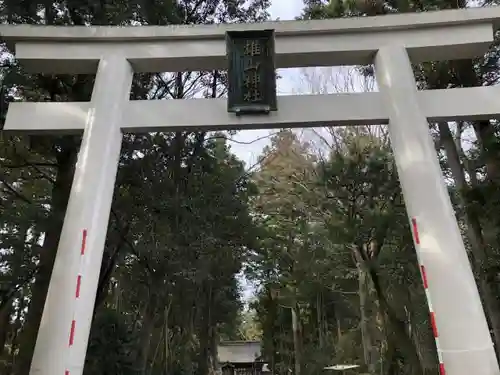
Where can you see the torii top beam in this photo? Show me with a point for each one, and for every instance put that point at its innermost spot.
(440, 35)
(451, 34)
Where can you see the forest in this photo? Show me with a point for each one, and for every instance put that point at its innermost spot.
(308, 250)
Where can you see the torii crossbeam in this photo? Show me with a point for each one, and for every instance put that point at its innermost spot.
(390, 42)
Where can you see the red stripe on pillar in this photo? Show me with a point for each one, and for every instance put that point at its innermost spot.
(72, 333)
(78, 284)
(441, 369)
(433, 324)
(415, 231)
(424, 277)
(84, 241)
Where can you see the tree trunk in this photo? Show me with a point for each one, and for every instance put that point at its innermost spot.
(205, 332)
(396, 328)
(214, 365)
(296, 339)
(6, 308)
(319, 319)
(159, 343)
(271, 317)
(167, 337)
(373, 330)
(485, 134)
(107, 267)
(16, 326)
(60, 195)
(149, 320)
(5, 325)
(365, 331)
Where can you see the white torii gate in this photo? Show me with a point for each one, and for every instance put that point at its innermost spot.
(390, 42)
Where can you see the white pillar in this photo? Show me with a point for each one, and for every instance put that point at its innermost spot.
(63, 336)
(459, 324)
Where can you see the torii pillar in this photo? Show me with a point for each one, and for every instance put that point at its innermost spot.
(462, 335)
(62, 339)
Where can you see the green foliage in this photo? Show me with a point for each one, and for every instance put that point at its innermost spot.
(111, 345)
(337, 251)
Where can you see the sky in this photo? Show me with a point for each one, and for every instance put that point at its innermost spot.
(249, 143)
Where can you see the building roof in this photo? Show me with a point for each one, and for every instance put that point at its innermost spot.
(239, 351)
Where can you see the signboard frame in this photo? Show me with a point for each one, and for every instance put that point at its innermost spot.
(251, 72)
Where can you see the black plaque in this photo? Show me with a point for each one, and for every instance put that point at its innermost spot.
(251, 72)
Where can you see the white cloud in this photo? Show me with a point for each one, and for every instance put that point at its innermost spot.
(285, 9)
